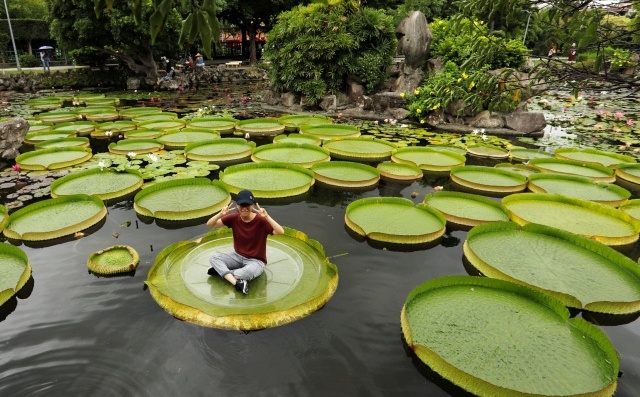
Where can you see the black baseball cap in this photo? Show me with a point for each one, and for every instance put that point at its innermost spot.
(245, 197)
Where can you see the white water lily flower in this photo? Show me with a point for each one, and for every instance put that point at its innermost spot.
(484, 137)
(403, 125)
(131, 154)
(475, 131)
(152, 157)
(246, 136)
(108, 133)
(101, 164)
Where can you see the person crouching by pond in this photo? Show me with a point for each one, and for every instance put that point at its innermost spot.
(250, 225)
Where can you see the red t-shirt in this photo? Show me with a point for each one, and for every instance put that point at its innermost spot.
(249, 238)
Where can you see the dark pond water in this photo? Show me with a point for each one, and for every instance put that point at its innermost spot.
(75, 334)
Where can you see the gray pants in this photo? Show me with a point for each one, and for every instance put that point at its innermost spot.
(240, 267)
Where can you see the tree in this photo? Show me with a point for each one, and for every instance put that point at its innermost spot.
(79, 30)
(25, 9)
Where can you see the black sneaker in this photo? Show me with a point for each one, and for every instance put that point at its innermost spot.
(212, 272)
(242, 286)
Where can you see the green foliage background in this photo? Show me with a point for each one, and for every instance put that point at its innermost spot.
(313, 49)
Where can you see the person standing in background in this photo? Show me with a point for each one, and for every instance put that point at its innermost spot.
(44, 57)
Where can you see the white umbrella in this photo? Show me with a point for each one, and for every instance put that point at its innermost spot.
(46, 47)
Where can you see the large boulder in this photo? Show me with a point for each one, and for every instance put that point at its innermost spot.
(12, 134)
(414, 39)
(525, 122)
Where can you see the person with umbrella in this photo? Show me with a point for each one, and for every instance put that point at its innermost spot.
(44, 57)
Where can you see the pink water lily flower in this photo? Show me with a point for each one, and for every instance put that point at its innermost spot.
(16, 167)
(618, 115)
(630, 122)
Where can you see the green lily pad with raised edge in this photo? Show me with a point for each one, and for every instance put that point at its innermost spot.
(53, 158)
(394, 220)
(346, 174)
(4, 216)
(114, 127)
(303, 155)
(220, 151)
(330, 131)
(57, 117)
(579, 187)
(632, 207)
(54, 218)
(593, 156)
(103, 116)
(428, 159)
(45, 103)
(518, 168)
(488, 179)
(224, 125)
(298, 280)
(518, 153)
(452, 148)
(360, 149)
(164, 125)
(467, 209)
(106, 184)
(181, 199)
(162, 116)
(137, 146)
(399, 172)
(496, 338)
(128, 114)
(80, 128)
(36, 128)
(113, 260)
(490, 151)
(143, 134)
(297, 139)
(579, 272)
(37, 137)
(572, 167)
(180, 139)
(268, 180)
(260, 127)
(15, 271)
(63, 142)
(628, 172)
(95, 109)
(596, 221)
(293, 122)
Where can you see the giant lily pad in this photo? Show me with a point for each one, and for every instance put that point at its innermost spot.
(36, 128)
(394, 220)
(106, 184)
(346, 174)
(571, 167)
(428, 159)
(4, 216)
(297, 281)
(143, 134)
(37, 137)
(579, 272)
(452, 148)
(53, 158)
(518, 153)
(518, 168)
(260, 127)
(45, 103)
(297, 139)
(596, 221)
(14, 269)
(80, 128)
(293, 122)
(488, 179)
(162, 116)
(399, 172)
(628, 172)
(495, 338)
(632, 207)
(102, 116)
(58, 117)
(130, 113)
(268, 180)
(467, 209)
(113, 260)
(63, 142)
(165, 125)
(137, 146)
(579, 187)
(491, 151)
(181, 199)
(330, 131)
(360, 149)
(220, 151)
(224, 125)
(54, 218)
(180, 139)
(593, 156)
(105, 129)
(303, 155)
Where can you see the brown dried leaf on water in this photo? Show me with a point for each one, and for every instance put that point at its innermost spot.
(116, 235)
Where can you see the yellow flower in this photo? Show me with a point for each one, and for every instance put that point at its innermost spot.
(436, 106)
(464, 75)
(471, 85)
(417, 91)
(459, 79)
(422, 121)
(402, 94)
(447, 90)
(418, 110)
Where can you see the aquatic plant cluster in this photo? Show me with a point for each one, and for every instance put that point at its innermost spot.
(176, 169)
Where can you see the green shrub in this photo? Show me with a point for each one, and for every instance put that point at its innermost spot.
(90, 56)
(28, 60)
(312, 49)
(478, 90)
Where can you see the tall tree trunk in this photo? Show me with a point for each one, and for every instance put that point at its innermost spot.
(143, 63)
(253, 60)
